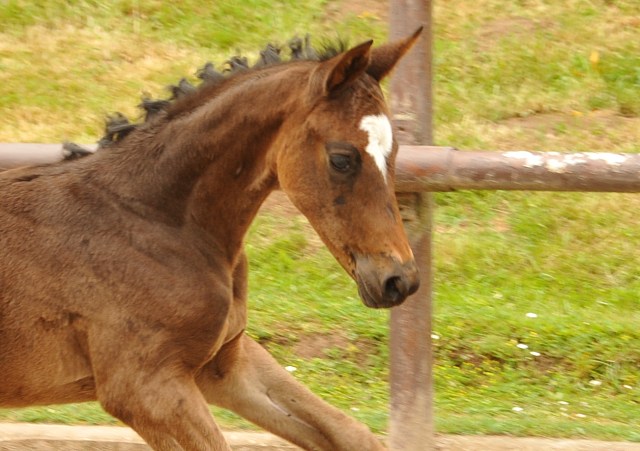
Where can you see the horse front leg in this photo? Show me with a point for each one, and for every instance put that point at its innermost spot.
(166, 410)
(146, 381)
(245, 379)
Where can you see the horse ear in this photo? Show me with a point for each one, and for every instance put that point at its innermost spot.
(343, 69)
(385, 57)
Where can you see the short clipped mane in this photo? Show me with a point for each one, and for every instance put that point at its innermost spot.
(118, 125)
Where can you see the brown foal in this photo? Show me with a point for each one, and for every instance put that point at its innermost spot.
(123, 277)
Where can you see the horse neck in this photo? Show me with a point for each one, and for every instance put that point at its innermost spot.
(210, 168)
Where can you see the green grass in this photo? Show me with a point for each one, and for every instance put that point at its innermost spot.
(65, 65)
(220, 25)
(535, 75)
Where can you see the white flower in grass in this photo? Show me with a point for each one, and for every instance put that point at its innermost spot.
(628, 386)
(595, 383)
(534, 353)
(531, 315)
(355, 409)
(290, 369)
(564, 403)
(435, 337)
(517, 409)
(579, 415)
(522, 346)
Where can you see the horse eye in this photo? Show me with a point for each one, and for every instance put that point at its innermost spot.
(339, 162)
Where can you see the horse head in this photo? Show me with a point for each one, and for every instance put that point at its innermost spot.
(338, 166)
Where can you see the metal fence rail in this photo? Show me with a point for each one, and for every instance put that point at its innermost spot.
(430, 168)
(421, 168)
(20, 154)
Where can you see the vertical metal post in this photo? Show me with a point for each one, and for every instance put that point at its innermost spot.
(411, 425)
(411, 81)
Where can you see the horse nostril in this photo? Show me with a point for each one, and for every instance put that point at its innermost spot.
(395, 288)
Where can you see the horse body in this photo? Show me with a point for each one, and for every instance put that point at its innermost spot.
(122, 274)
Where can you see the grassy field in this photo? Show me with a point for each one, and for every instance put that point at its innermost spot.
(529, 75)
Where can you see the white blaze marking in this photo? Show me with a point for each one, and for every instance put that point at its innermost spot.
(380, 143)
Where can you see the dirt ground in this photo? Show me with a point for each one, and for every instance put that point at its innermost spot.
(499, 443)
(38, 437)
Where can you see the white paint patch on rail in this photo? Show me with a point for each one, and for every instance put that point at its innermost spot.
(559, 163)
(532, 160)
(557, 166)
(613, 159)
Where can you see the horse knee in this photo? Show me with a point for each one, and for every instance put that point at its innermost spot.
(148, 403)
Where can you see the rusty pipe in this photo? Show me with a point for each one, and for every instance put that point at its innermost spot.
(420, 168)
(13, 155)
(424, 168)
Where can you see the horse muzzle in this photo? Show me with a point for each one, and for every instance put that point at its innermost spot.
(384, 282)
